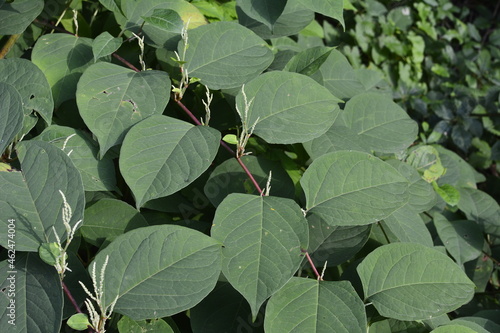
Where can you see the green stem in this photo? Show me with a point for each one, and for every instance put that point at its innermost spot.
(8, 45)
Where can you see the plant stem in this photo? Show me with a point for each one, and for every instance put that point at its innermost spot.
(128, 64)
(318, 276)
(249, 174)
(188, 112)
(8, 45)
(491, 258)
(70, 297)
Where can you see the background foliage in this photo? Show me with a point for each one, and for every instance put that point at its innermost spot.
(249, 166)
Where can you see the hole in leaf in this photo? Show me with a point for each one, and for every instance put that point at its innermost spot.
(32, 96)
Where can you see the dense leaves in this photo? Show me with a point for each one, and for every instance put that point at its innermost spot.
(249, 166)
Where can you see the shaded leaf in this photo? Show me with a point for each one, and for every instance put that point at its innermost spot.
(482, 208)
(332, 8)
(308, 61)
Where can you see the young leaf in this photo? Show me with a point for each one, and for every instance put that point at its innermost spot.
(62, 58)
(448, 193)
(36, 286)
(127, 325)
(159, 271)
(381, 124)
(307, 305)
(32, 199)
(225, 55)
(409, 281)
(79, 322)
(162, 155)
(348, 188)
(12, 120)
(288, 107)
(112, 99)
(31, 84)
(105, 44)
(263, 11)
(263, 238)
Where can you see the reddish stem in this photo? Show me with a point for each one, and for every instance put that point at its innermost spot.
(70, 297)
(318, 276)
(249, 174)
(189, 113)
(128, 64)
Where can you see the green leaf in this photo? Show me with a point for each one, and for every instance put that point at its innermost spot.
(292, 20)
(462, 238)
(109, 218)
(478, 324)
(337, 138)
(79, 322)
(35, 294)
(397, 326)
(230, 138)
(31, 83)
(136, 11)
(458, 172)
(288, 107)
(308, 61)
(224, 310)
(225, 55)
(105, 44)
(172, 154)
(166, 19)
(112, 99)
(50, 253)
(17, 15)
(422, 194)
(334, 244)
(409, 281)
(409, 227)
(263, 11)
(453, 328)
(339, 77)
(427, 161)
(381, 124)
(228, 177)
(62, 58)
(158, 271)
(32, 200)
(482, 208)
(97, 174)
(12, 120)
(348, 188)
(127, 325)
(263, 238)
(448, 193)
(332, 8)
(308, 305)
